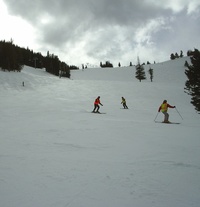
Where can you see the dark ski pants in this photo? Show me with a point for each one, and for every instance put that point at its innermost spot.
(125, 106)
(96, 106)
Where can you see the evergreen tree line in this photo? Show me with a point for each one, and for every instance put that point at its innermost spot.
(13, 58)
(108, 64)
(192, 85)
(175, 56)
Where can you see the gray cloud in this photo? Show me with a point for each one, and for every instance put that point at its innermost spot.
(93, 30)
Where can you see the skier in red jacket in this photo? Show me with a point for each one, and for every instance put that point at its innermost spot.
(97, 102)
(164, 107)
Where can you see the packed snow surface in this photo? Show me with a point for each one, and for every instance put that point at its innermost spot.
(55, 153)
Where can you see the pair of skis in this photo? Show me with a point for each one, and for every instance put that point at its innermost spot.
(167, 122)
(97, 112)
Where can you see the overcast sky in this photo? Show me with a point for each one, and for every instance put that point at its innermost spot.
(90, 31)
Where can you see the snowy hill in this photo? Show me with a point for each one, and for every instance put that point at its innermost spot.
(54, 152)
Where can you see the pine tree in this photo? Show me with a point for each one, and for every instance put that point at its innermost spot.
(172, 57)
(192, 85)
(181, 54)
(151, 74)
(176, 55)
(186, 64)
(140, 72)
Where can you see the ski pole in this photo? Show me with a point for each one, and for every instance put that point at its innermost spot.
(156, 116)
(179, 114)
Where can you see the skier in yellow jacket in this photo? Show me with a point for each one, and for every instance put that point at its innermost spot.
(164, 107)
(124, 103)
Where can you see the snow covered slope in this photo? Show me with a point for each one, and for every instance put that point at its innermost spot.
(54, 152)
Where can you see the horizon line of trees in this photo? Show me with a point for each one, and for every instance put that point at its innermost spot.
(173, 56)
(13, 58)
(107, 64)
